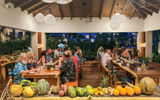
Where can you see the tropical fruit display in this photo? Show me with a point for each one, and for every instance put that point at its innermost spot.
(24, 83)
(122, 91)
(28, 91)
(116, 92)
(79, 91)
(130, 91)
(98, 91)
(16, 90)
(137, 90)
(42, 87)
(108, 91)
(147, 85)
(71, 92)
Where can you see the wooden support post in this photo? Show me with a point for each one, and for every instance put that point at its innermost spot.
(143, 40)
(39, 42)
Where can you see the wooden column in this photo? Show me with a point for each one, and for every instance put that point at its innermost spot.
(39, 42)
(143, 40)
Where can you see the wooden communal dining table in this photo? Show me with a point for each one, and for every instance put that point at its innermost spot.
(153, 73)
(53, 77)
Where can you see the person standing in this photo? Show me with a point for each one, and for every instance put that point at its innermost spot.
(48, 55)
(106, 58)
(68, 69)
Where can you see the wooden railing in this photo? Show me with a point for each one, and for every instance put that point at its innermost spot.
(6, 95)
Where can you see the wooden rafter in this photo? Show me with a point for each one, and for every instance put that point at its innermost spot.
(153, 5)
(140, 5)
(21, 3)
(40, 10)
(71, 11)
(37, 7)
(142, 15)
(60, 10)
(112, 8)
(91, 4)
(30, 4)
(124, 8)
(101, 9)
(132, 12)
(81, 9)
(34, 6)
(6, 1)
(146, 12)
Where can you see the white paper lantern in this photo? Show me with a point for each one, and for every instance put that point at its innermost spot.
(49, 1)
(63, 1)
(114, 26)
(50, 19)
(39, 18)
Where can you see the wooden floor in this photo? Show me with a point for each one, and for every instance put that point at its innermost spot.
(93, 98)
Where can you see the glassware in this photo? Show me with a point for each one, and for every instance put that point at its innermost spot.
(138, 69)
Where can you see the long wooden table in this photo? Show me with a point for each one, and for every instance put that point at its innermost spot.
(51, 76)
(153, 73)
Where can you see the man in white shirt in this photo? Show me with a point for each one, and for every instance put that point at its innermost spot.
(106, 58)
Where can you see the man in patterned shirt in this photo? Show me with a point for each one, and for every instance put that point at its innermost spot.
(20, 68)
(68, 69)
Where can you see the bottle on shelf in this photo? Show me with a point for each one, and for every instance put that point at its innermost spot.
(143, 65)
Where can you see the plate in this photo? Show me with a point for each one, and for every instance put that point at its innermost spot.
(31, 72)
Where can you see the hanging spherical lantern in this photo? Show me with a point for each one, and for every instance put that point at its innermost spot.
(39, 18)
(49, 1)
(114, 26)
(63, 1)
(50, 19)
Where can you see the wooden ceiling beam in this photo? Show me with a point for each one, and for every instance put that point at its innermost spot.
(124, 8)
(60, 10)
(140, 5)
(6, 1)
(153, 5)
(101, 9)
(21, 3)
(30, 4)
(38, 7)
(112, 8)
(81, 9)
(142, 15)
(91, 4)
(132, 12)
(71, 11)
(146, 12)
(40, 10)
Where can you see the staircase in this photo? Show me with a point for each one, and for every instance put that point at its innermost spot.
(2, 86)
(90, 74)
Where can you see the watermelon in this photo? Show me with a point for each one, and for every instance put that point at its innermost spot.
(42, 87)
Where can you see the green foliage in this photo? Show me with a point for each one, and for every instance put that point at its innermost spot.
(14, 44)
(104, 83)
(156, 58)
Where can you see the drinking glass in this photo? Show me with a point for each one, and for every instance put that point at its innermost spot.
(138, 69)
